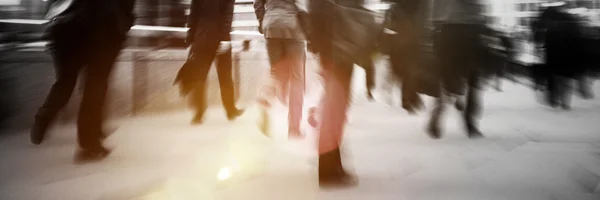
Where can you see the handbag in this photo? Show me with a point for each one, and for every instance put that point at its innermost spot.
(355, 33)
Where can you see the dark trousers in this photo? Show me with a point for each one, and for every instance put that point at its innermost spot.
(471, 102)
(459, 70)
(287, 58)
(403, 61)
(96, 62)
(369, 75)
(195, 71)
(559, 91)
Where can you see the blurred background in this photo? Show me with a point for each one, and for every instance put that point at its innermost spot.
(157, 40)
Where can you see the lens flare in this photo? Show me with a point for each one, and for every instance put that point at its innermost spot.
(224, 174)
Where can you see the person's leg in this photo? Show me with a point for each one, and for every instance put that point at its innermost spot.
(335, 103)
(296, 58)
(199, 63)
(433, 127)
(370, 79)
(552, 90)
(583, 86)
(279, 67)
(270, 90)
(473, 106)
(397, 70)
(91, 113)
(224, 67)
(565, 92)
(67, 65)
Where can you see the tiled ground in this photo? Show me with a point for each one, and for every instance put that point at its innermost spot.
(529, 152)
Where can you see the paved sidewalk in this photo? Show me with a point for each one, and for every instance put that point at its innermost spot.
(529, 152)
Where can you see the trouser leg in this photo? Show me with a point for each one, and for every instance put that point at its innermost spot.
(91, 113)
(67, 69)
(224, 67)
(295, 56)
(473, 106)
(198, 66)
(335, 103)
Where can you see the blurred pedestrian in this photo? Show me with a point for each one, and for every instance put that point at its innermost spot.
(341, 36)
(461, 26)
(84, 36)
(282, 27)
(404, 21)
(209, 37)
(562, 43)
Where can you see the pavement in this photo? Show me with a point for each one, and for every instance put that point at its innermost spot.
(529, 152)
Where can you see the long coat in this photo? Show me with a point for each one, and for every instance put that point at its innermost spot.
(210, 20)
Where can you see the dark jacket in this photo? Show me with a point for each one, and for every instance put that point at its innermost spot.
(562, 40)
(210, 20)
(342, 31)
(96, 20)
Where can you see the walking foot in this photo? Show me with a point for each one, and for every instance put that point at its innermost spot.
(91, 155)
(235, 114)
(38, 132)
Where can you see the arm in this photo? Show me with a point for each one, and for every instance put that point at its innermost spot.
(259, 10)
(228, 18)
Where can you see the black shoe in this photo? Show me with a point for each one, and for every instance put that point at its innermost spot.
(433, 131)
(91, 155)
(332, 173)
(38, 131)
(235, 114)
(474, 133)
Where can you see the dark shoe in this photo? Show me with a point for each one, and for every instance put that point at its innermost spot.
(433, 131)
(474, 133)
(235, 114)
(91, 155)
(38, 131)
(370, 96)
(332, 173)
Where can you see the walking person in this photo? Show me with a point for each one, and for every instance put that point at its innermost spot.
(460, 25)
(564, 52)
(286, 46)
(209, 37)
(404, 20)
(340, 34)
(84, 36)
